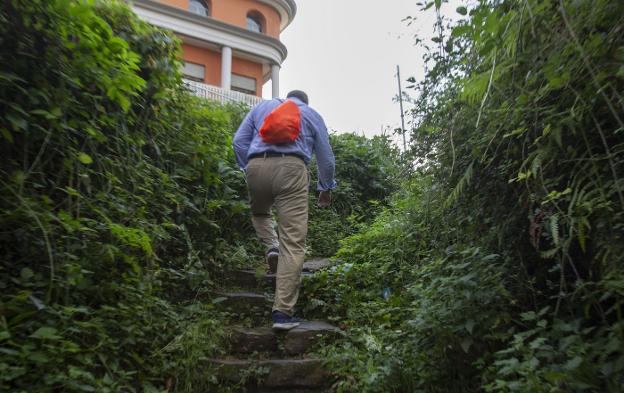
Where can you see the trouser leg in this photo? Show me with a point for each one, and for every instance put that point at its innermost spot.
(265, 230)
(291, 200)
(261, 201)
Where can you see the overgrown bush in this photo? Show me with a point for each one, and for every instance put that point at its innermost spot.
(367, 172)
(118, 202)
(501, 261)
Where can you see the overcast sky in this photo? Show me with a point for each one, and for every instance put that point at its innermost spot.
(344, 54)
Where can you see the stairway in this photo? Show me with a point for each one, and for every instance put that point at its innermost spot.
(260, 359)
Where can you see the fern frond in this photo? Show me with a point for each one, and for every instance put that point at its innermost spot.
(461, 185)
(475, 87)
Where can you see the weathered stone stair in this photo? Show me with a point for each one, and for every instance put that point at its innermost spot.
(263, 360)
(294, 342)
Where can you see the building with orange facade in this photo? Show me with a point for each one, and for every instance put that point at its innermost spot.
(230, 48)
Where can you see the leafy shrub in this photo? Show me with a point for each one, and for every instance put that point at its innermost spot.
(503, 254)
(118, 203)
(367, 171)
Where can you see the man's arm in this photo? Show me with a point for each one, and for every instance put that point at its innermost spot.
(325, 159)
(242, 140)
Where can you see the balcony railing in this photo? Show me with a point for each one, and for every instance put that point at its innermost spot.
(220, 95)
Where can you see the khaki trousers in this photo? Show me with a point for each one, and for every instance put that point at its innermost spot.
(281, 182)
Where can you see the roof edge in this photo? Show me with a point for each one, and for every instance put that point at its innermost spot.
(286, 8)
(214, 23)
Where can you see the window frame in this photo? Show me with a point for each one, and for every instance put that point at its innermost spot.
(192, 77)
(258, 19)
(205, 4)
(242, 89)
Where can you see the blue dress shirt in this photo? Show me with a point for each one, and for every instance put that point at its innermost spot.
(312, 139)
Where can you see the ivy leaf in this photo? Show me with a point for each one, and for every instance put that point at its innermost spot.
(466, 344)
(26, 274)
(554, 376)
(461, 30)
(46, 333)
(18, 123)
(462, 10)
(528, 316)
(6, 134)
(573, 363)
(85, 158)
(470, 325)
(4, 335)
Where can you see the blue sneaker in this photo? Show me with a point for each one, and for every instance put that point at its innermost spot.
(272, 256)
(282, 321)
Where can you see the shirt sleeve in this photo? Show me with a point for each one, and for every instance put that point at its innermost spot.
(242, 139)
(325, 159)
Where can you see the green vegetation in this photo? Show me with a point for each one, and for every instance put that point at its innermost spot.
(499, 265)
(117, 200)
(489, 257)
(367, 172)
(121, 204)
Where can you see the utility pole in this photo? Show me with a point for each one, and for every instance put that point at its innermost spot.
(401, 104)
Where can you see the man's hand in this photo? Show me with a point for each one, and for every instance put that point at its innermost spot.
(324, 199)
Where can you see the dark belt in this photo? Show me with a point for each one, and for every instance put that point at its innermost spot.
(273, 154)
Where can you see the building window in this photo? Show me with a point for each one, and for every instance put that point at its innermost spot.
(244, 84)
(255, 22)
(196, 72)
(199, 7)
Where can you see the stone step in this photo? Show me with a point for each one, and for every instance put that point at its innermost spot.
(293, 342)
(249, 279)
(244, 302)
(248, 340)
(273, 373)
(258, 278)
(316, 264)
(307, 334)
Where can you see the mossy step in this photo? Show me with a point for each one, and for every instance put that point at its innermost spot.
(273, 373)
(248, 340)
(244, 302)
(316, 264)
(293, 342)
(250, 279)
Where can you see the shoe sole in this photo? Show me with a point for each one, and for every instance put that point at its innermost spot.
(285, 325)
(272, 262)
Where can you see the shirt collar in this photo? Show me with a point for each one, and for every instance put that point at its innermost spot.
(296, 100)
